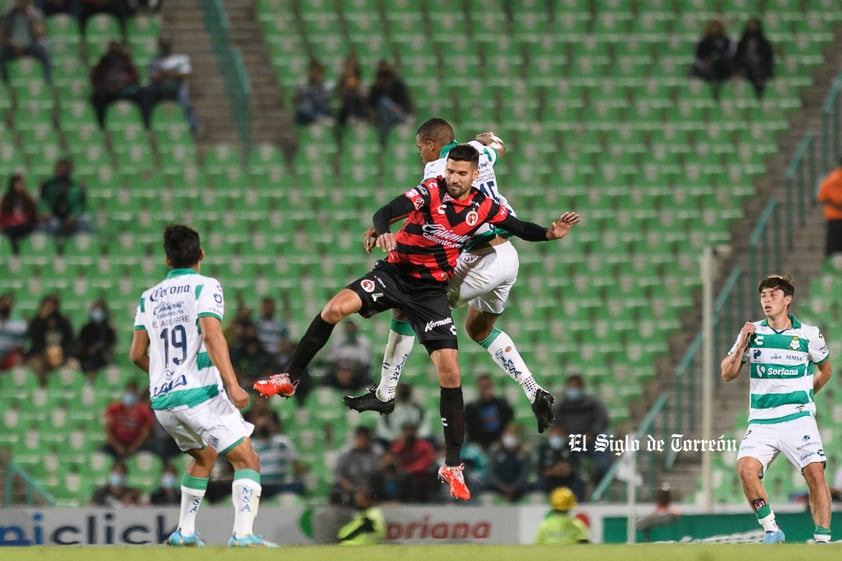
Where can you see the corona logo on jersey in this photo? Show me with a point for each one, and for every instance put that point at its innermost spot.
(563, 499)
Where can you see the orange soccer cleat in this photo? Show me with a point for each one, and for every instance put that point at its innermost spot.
(276, 384)
(452, 475)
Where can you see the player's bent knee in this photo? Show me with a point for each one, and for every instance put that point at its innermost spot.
(748, 470)
(342, 305)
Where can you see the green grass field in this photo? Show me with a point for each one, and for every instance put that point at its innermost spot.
(467, 552)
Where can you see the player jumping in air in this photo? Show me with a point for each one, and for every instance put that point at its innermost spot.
(780, 351)
(442, 215)
(483, 278)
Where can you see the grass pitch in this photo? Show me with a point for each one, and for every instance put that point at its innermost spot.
(465, 552)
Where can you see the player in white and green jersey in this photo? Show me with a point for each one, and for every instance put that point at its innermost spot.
(483, 278)
(781, 352)
(195, 394)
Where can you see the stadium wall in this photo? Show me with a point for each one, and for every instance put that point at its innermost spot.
(406, 524)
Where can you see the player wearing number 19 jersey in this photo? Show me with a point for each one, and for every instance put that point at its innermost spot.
(179, 324)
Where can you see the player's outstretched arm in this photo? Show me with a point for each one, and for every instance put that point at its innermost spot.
(532, 232)
(218, 352)
(137, 351)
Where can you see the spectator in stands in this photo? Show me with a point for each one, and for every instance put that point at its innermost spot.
(63, 203)
(755, 58)
(355, 466)
(12, 333)
(261, 413)
(128, 424)
(406, 410)
(168, 74)
(417, 459)
(280, 469)
(476, 468)
(169, 491)
(53, 7)
(488, 416)
(115, 77)
(312, 98)
(557, 465)
(389, 99)
(389, 482)
(714, 56)
(120, 9)
(116, 493)
(23, 33)
(18, 212)
(508, 465)
(250, 359)
(272, 331)
(349, 360)
(49, 339)
(96, 340)
(351, 92)
(586, 416)
(830, 195)
(236, 329)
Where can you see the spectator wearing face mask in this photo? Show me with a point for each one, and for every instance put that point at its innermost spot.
(128, 423)
(96, 340)
(557, 465)
(116, 493)
(169, 492)
(280, 469)
(586, 417)
(508, 466)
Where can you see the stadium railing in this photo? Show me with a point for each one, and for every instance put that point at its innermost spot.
(235, 78)
(33, 488)
(831, 111)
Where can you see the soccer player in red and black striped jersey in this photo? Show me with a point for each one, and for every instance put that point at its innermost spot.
(442, 215)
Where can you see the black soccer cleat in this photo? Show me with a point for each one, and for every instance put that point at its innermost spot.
(369, 402)
(542, 407)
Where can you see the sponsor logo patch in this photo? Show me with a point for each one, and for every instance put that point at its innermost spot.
(367, 285)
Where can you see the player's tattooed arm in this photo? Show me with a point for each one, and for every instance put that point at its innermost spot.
(732, 363)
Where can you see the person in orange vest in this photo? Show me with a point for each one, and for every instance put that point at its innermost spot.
(830, 195)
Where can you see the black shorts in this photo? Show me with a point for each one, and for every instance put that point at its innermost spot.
(423, 302)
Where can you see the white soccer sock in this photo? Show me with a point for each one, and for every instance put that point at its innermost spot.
(768, 522)
(398, 347)
(192, 493)
(502, 349)
(245, 490)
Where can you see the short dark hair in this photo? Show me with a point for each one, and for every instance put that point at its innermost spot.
(464, 153)
(182, 246)
(436, 129)
(363, 430)
(782, 282)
